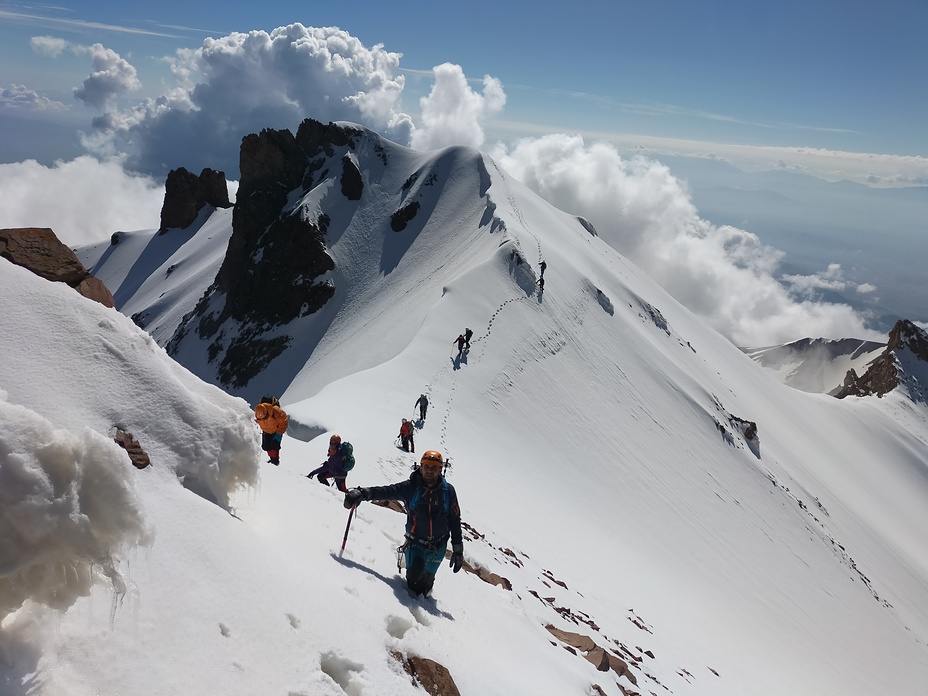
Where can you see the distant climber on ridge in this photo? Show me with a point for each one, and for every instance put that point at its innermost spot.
(423, 404)
(406, 436)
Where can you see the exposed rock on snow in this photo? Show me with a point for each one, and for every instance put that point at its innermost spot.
(401, 217)
(602, 659)
(433, 677)
(138, 456)
(39, 250)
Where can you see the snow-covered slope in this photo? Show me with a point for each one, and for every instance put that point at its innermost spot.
(157, 278)
(597, 434)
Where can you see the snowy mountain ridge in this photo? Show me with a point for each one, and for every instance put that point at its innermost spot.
(635, 478)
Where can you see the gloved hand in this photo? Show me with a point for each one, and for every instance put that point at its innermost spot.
(457, 557)
(355, 496)
(278, 437)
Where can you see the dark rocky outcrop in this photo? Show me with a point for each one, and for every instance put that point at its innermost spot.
(747, 428)
(39, 250)
(275, 255)
(884, 373)
(185, 194)
(352, 183)
(433, 677)
(587, 225)
(138, 456)
(403, 216)
(906, 335)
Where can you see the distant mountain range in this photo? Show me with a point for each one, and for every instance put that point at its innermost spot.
(817, 365)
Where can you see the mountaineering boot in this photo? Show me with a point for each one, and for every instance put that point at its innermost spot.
(414, 575)
(426, 581)
(423, 585)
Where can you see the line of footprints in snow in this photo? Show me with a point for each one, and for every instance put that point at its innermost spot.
(608, 655)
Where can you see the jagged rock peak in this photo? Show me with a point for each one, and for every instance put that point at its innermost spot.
(268, 157)
(185, 194)
(277, 157)
(314, 137)
(39, 250)
(288, 244)
(883, 374)
(905, 334)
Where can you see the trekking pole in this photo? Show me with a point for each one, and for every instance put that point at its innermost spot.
(347, 527)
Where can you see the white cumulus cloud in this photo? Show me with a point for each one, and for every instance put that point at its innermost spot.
(243, 83)
(112, 76)
(830, 279)
(84, 200)
(50, 46)
(22, 98)
(724, 274)
(452, 112)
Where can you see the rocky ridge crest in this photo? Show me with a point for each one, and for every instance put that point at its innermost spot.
(277, 251)
(907, 343)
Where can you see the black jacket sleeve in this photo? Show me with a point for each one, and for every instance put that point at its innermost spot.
(454, 519)
(397, 491)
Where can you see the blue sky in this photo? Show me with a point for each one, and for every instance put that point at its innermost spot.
(764, 111)
(847, 76)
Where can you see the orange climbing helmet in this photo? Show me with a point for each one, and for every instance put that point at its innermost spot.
(432, 458)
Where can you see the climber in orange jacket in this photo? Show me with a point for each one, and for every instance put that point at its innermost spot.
(273, 421)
